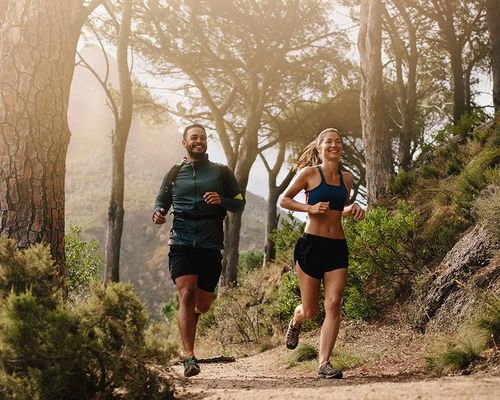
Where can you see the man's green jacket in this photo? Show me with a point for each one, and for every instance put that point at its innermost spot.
(197, 223)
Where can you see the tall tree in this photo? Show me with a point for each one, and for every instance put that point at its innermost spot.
(376, 140)
(493, 17)
(461, 27)
(236, 57)
(397, 23)
(38, 40)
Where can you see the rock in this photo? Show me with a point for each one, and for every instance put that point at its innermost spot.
(470, 267)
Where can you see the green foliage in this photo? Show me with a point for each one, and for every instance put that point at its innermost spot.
(489, 317)
(357, 304)
(343, 359)
(32, 270)
(303, 352)
(285, 237)
(288, 298)
(487, 208)
(402, 183)
(383, 251)
(481, 171)
(250, 260)
(454, 352)
(169, 309)
(51, 349)
(84, 262)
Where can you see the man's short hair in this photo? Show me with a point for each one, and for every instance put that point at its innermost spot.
(187, 128)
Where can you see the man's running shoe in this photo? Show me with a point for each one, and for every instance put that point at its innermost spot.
(191, 367)
(292, 335)
(327, 371)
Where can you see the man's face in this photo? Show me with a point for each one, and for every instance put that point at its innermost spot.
(195, 143)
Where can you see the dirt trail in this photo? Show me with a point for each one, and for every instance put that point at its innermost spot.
(248, 378)
(391, 366)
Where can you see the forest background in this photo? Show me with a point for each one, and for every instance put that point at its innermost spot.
(399, 79)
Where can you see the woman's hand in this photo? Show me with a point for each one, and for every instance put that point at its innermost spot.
(357, 212)
(319, 208)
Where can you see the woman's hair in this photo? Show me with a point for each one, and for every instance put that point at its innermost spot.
(310, 155)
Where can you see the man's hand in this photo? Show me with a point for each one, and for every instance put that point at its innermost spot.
(159, 216)
(319, 208)
(212, 198)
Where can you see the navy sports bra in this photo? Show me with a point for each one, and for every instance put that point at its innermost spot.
(335, 195)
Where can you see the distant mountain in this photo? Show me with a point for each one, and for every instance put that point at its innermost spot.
(151, 150)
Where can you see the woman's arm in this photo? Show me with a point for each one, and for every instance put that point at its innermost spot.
(354, 209)
(288, 202)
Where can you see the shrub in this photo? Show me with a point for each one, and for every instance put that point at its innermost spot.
(357, 305)
(288, 298)
(51, 350)
(84, 262)
(285, 237)
(402, 183)
(383, 254)
(250, 260)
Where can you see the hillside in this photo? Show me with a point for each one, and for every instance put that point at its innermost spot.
(151, 150)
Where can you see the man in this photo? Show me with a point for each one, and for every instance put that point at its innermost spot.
(200, 192)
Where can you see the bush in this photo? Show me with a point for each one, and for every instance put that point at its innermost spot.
(357, 305)
(402, 183)
(288, 298)
(84, 262)
(250, 260)
(285, 237)
(51, 350)
(383, 255)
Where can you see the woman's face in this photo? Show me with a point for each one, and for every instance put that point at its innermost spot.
(330, 147)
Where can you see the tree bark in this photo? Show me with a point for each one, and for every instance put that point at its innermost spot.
(493, 18)
(123, 120)
(376, 140)
(38, 42)
(232, 223)
(271, 224)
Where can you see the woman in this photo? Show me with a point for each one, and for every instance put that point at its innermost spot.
(321, 253)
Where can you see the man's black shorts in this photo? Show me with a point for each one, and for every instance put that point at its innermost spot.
(317, 255)
(189, 260)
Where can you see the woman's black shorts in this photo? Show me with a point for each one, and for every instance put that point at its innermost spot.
(317, 255)
(189, 260)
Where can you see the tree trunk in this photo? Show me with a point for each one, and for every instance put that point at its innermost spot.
(376, 141)
(459, 100)
(272, 223)
(493, 18)
(37, 55)
(123, 120)
(232, 223)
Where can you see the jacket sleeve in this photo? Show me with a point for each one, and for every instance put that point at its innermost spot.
(232, 199)
(164, 198)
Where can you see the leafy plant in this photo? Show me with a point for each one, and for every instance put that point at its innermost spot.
(51, 349)
(250, 260)
(84, 261)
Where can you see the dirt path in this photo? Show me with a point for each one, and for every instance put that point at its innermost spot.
(390, 366)
(248, 379)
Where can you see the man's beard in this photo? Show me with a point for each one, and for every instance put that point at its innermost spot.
(196, 155)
